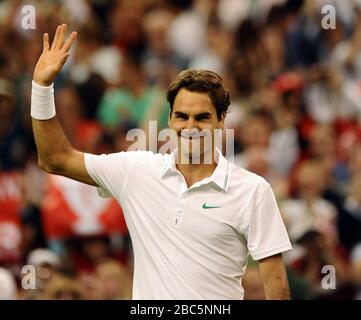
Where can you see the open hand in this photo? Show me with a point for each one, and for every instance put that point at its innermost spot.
(53, 58)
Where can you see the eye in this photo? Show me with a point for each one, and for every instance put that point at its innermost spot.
(203, 117)
(181, 116)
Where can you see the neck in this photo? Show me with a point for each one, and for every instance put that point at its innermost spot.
(196, 172)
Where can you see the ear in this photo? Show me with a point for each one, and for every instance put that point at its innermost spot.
(220, 124)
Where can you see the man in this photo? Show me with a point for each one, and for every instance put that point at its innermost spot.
(192, 224)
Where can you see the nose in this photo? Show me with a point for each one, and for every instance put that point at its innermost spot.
(191, 124)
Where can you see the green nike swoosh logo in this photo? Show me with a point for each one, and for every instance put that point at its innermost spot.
(208, 207)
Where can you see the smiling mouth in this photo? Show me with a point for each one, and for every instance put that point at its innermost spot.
(192, 135)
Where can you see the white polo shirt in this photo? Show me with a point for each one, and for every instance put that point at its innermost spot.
(190, 243)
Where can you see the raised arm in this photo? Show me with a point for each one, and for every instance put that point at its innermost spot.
(55, 154)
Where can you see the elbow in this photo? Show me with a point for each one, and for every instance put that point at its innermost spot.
(47, 166)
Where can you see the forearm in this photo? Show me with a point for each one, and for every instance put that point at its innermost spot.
(274, 277)
(51, 143)
(50, 139)
(277, 290)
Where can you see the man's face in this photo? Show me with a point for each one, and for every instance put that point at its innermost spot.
(194, 119)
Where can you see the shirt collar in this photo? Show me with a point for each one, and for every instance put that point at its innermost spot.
(220, 175)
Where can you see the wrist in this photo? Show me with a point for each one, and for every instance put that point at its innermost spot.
(42, 101)
(42, 83)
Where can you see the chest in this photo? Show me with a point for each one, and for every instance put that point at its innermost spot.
(205, 215)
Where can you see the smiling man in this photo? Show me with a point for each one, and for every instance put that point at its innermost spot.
(193, 224)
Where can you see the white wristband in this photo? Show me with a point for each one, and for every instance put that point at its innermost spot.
(42, 102)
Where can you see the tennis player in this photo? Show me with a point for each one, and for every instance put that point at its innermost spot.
(192, 225)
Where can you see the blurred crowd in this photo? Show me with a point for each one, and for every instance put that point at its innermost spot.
(296, 111)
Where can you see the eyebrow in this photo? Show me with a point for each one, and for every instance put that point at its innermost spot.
(182, 114)
(203, 114)
(199, 115)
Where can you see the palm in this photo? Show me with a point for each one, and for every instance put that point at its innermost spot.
(53, 58)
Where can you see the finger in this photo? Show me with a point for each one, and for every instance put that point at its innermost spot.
(65, 56)
(69, 42)
(62, 33)
(63, 60)
(45, 42)
(53, 45)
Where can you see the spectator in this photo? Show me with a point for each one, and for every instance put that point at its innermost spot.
(131, 103)
(296, 106)
(115, 280)
(45, 264)
(62, 287)
(309, 211)
(8, 289)
(318, 252)
(349, 222)
(12, 149)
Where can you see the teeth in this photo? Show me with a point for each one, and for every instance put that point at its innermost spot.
(193, 135)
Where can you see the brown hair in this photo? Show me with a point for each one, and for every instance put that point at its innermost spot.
(201, 81)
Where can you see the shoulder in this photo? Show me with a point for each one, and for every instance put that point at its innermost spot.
(241, 176)
(128, 159)
(145, 164)
(141, 157)
(248, 188)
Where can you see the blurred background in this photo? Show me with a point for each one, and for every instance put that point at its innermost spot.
(296, 110)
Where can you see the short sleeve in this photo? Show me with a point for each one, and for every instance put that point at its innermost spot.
(110, 171)
(266, 232)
